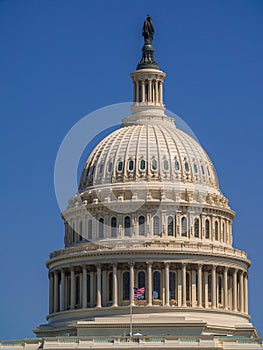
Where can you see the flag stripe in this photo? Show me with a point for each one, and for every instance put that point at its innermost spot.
(138, 292)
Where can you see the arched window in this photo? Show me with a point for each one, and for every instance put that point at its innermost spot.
(114, 227)
(126, 285)
(203, 170)
(216, 231)
(176, 165)
(141, 225)
(207, 228)
(195, 168)
(88, 288)
(101, 168)
(127, 226)
(170, 226)
(171, 285)
(154, 164)
(156, 285)
(156, 225)
(120, 166)
(110, 285)
(131, 165)
(90, 229)
(186, 166)
(80, 231)
(110, 167)
(141, 279)
(101, 228)
(165, 164)
(196, 227)
(184, 227)
(142, 164)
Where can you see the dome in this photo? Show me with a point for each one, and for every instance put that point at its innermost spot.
(149, 152)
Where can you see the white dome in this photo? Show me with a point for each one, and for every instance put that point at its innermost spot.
(149, 152)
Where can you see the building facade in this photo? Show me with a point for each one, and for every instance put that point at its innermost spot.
(148, 258)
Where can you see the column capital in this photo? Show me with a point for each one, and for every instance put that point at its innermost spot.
(214, 267)
(200, 266)
(149, 263)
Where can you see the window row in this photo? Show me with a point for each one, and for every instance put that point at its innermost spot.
(174, 227)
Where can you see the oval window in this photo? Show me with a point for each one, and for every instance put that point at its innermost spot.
(131, 165)
(203, 171)
(142, 164)
(120, 166)
(176, 165)
(195, 168)
(186, 166)
(165, 165)
(110, 167)
(101, 168)
(154, 164)
(208, 171)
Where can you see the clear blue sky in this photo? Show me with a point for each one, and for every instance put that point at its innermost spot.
(60, 60)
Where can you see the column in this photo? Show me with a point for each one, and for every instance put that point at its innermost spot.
(104, 288)
(156, 92)
(225, 288)
(179, 287)
(234, 295)
(137, 91)
(98, 285)
(91, 288)
(143, 91)
(150, 91)
(115, 286)
(214, 301)
(193, 287)
(131, 283)
(51, 292)
(134, 91)
(246, 293)
(149, 277)
(200, 285)
(161, 92)
(63, 291)
(72, 289)
(206, 288)
(167, 285)
(184, 284)
(56, 291)
(84, 287)
(241, 284)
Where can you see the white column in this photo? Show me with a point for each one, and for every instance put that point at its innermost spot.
(225, 288)
(179, 287)
(56, 291)
(134, 91)
(104, 288)
(91, 288)
(241, 284)
(150, 91)
(143, 91)
(51, 292)
(167, 291)
(193, 287)
(246, 293)
(156, 92)
(115, 286)
(84, 286)
(72, 289)
(131, 283)
(149, 277)
(235, 290)
(161, 92)
(63, 291)
(200, 286)
(137, 91)
(214, 301)
(206, 288)
(184, 284)
(98, 286)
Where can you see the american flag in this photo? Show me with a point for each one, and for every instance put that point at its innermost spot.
(138, 293)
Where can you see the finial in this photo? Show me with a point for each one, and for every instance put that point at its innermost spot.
(147, 60)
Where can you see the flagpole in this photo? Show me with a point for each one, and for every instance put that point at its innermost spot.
(130, 319)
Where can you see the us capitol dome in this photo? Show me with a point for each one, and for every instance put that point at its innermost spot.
(148, 240)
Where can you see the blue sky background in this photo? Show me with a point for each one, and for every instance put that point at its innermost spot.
(61, 59)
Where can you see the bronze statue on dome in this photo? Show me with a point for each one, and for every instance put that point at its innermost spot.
(148, 30)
